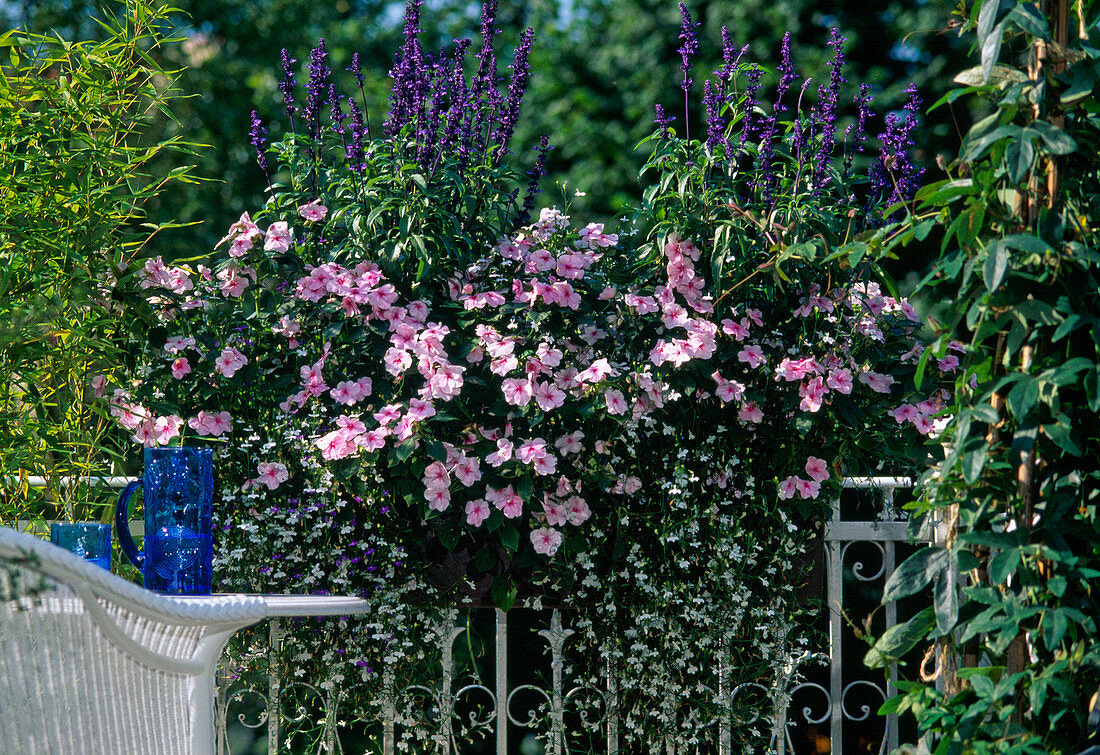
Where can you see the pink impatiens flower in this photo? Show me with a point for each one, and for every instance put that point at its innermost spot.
(271, 474)
(531, 450)
(180, 367)
(502, 454)
(438, 498)
(752, 354)
(211, 424)
(517, 392)
(840, 381)
(436, 476)
(335, 445)
(278, 238)
(545, 465)
(507, 500)
(146, 434)
(808, 488)
(577, 511)
(924, 424)
(616, 403)
(313, 211)
(546, 540)
(812, 393)
(788, 487)
(345, 392)
(548, 396)
(740, 330)
(570, 444)
(230, 361)
(596, 372)
(477, 511)
(750, 412)
(166, 428)
(176, 344)
(817, 469)
(467, 470)
(796, 369)
(906, 413)
(877, 382)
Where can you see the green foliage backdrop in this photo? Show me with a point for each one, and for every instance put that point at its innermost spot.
(598, 69)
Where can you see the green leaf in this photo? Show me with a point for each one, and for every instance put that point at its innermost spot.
(983, 685)
(946, 602)
(404, 449)
(1059, 433)
(1057, 141)
(982, 145)
(437, 451)
(504, 592)
(993, 270)
(1055, 625)
(1023, 396)
(1026, 242)
(992, 619)
(943, 191)
(1003, 564)
(915, 573)
(449, 535)
(900, 639)
(1067, 326)
(922, 229)
(1000, 540)
(922, 366)
(990, 31)
(509, 537)
(1030, 20)
(1019, 156)
(973, 461)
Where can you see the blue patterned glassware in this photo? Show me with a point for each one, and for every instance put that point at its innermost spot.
(89, 540)
(178, 489)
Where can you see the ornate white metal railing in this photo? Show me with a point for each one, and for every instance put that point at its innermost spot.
(792, 704)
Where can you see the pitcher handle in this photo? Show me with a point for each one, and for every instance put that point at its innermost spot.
(122, 524)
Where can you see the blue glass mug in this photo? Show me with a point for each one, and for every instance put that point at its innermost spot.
(89, 540)
(178, 489)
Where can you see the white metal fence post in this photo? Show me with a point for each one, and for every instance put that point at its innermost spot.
(501, 702)
(275, 636)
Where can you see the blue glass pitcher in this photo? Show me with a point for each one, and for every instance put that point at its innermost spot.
(178, 489)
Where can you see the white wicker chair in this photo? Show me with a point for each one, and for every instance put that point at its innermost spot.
(90, 663)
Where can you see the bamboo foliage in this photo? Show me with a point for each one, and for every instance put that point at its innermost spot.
(75, 140)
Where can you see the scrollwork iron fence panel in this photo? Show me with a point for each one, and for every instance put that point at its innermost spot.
(495, 701)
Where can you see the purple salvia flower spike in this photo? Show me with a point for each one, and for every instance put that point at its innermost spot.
(484, 97)
(317, 88)
(286, 85)
(689, 47)
(829, 97)
(353, 151)
(716, 124)
(536, 174)
(457, 93)
(858, 131)
(407, 74)
(664, 121)
(894, 176)
(356, 70)
(750, 103)
(786, 73)
(259, 141)
(521, 70)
